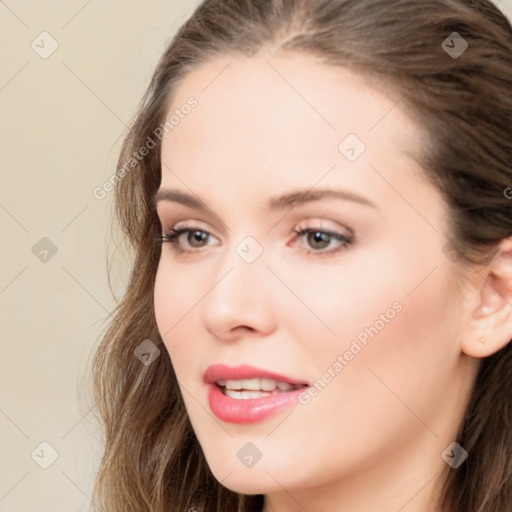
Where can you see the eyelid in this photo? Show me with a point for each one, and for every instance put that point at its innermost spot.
(188, 224)
(309, 224)
(318, 223)
(173, 211)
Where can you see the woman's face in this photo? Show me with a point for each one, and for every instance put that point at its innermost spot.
(364, 308)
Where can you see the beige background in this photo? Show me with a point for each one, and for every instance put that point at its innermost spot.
(62, 119)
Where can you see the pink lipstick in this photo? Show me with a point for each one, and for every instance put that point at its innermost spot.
(245, 394)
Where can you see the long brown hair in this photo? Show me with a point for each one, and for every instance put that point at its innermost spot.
(152, 460)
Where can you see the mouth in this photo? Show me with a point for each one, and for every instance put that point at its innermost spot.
(255, 388)
(246, 394)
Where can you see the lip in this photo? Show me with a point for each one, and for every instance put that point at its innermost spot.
(250, 410)
(222, 372)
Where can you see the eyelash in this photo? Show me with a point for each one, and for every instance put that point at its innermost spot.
(172, 237)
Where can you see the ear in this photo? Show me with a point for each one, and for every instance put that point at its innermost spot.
(492, 318)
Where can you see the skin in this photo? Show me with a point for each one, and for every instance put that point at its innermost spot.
(372, 438)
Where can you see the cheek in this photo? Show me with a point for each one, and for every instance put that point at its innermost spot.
(164, 306)
(405, 359)
(395, 380)
(396, 326)
(177, 290)
(174, 302)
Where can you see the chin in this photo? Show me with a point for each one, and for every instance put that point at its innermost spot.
(245, 480)
(247, 484)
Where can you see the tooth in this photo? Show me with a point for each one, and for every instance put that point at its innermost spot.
(241, 395)
(268, 384)
(255, 384)
(252, 384)
(234, 384)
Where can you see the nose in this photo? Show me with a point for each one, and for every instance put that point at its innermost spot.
(239, 302)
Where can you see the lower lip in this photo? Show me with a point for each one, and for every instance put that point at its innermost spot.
(249, 410)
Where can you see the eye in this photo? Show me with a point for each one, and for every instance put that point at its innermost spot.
(317, 238)
(195, 238)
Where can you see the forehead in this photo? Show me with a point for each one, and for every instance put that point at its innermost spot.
(282, 114)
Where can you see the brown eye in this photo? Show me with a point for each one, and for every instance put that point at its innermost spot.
(318, 239)
(196, 237)
(190, 238)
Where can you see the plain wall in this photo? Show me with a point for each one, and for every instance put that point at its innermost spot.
(62, 120)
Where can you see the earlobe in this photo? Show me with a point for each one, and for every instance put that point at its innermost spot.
(490, 328)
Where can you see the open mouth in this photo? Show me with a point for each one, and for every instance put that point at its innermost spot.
(255, 388)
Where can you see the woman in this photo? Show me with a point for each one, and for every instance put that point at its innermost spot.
(318, 318)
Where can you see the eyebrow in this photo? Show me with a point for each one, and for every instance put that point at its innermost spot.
(290, 200)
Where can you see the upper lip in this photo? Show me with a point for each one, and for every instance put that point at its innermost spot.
(217, 372)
